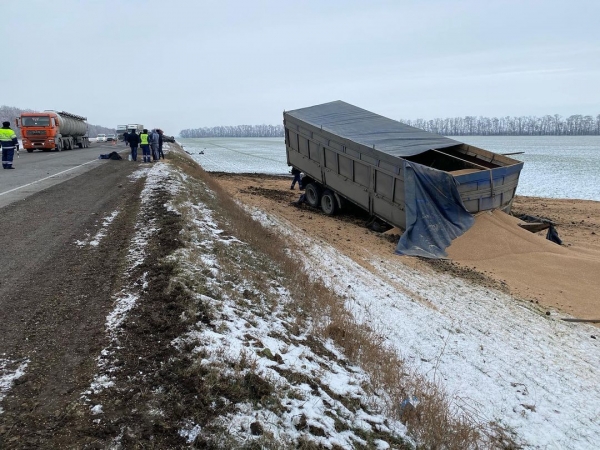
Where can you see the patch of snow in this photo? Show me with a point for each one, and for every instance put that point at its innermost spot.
(9, 372)
(189, 431)
(96, 409)
(123, 303)
(249, 330)
(95, 240)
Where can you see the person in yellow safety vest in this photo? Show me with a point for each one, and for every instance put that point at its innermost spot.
(145, 145)
(8, 141)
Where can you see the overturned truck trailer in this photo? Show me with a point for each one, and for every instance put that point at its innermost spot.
(424, 183)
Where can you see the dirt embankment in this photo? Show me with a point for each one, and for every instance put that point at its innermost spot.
(495, 252)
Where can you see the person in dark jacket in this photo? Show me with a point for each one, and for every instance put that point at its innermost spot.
(160, 144)
(133, 140)
(296, 179)
(8, 142)
(125, 136)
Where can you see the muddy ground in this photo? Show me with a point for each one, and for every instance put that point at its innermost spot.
(55, 296)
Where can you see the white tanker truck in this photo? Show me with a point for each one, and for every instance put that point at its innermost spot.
(52, 130)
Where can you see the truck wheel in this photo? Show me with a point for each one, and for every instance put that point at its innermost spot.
(59, 146)
(313, 194)
(29, 150)
(80, 145)
(328, 203)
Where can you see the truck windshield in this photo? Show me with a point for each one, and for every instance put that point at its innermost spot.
(36, 121)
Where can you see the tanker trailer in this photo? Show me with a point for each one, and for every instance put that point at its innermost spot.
(52, 130)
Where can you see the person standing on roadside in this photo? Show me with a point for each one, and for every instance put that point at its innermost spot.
(145, 144)
(8, 141)
(133, 140)
(153, 138)
(125, 136)
(160, 144)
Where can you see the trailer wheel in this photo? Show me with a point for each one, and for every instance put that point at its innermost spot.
(328, 203)
(313, 194)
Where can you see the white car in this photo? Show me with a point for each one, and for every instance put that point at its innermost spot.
(101, 138)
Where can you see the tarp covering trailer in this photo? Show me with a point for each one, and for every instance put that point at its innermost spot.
(425, 183)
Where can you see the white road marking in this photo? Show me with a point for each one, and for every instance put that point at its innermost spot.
(42, 179)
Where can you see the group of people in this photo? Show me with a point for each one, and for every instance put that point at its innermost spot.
(150, 143)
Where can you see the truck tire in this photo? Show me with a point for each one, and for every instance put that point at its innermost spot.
(313, 194)
(80, 144)
(59, 145)
(328, 203)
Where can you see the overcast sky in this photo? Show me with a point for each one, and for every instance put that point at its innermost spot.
(179, 64)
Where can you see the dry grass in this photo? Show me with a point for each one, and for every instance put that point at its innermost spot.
(434, 422)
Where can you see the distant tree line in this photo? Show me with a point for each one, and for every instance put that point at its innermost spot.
(235, 131)
(10, 113)
(556, 125)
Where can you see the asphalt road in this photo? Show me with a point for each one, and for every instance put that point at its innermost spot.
(39, 170)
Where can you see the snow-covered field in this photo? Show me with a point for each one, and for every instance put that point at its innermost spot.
(239, 155)
(555, 166)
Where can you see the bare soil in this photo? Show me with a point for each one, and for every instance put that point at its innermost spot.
(54, 296)
(555, 277)
(54, 300)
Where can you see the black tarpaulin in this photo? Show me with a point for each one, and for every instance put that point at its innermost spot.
(370, 129)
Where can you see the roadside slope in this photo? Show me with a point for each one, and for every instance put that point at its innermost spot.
(500, 357)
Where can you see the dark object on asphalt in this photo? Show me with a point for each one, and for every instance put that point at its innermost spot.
(113, 155)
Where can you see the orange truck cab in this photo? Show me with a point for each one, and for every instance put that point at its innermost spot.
(52, 130)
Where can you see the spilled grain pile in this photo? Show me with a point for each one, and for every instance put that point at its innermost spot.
(534, 268)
